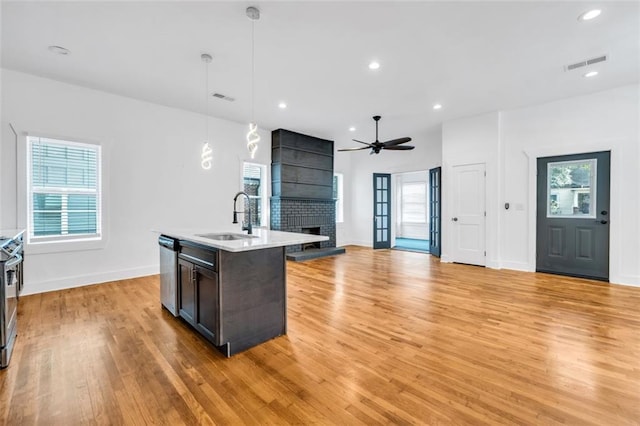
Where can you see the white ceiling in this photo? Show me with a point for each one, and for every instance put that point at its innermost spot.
(472, 57)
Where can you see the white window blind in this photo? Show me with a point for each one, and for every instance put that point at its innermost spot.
(64, 190)
(414, 202)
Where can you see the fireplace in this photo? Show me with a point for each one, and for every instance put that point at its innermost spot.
(313, 230)
(302, 191)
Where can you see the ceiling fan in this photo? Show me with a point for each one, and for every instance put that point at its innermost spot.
(393, 144)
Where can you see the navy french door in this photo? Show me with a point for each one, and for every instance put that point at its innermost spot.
(434, 211)
(381, 210)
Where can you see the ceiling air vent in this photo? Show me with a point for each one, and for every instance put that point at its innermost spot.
(225, 97)
(586, 62)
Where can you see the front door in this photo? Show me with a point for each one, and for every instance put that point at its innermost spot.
(469, 214)
(434, 218)
(381, 210)
(573, 215)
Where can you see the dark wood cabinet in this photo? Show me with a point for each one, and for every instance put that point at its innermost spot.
(199, 289)
(207, 304)
(187, 291)
(236, 300)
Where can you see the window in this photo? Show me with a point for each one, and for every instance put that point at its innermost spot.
(571, 188)
(414, 202)
(338, 194)
(254, 183)
(64, 190)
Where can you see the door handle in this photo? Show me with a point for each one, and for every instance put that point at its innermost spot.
(604, 222)
(455, 219)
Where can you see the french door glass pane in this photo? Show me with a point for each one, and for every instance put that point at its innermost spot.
(572, 189)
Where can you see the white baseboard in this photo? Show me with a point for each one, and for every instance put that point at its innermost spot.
(361, 243)
(493, 264)
(82, 280)
(516, 266)
(628, 280)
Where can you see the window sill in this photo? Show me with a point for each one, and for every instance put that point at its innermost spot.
(64, 246)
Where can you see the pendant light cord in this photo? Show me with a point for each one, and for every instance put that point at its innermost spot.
(206, 100)
(253, 70)
(253, 138)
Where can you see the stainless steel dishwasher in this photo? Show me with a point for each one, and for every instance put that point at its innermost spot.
(169, 273)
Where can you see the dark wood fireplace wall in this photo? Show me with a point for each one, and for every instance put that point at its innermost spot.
(302, 185)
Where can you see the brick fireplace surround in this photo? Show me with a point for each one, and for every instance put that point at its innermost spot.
(302, 188)
(292, 215)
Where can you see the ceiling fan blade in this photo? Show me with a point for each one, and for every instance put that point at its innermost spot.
(399, 148)
(354, 149)
(356, 140)
(394, 142)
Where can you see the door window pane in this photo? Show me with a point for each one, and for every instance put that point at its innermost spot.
(571, 189)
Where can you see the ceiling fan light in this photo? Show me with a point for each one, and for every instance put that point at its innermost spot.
(589, 15)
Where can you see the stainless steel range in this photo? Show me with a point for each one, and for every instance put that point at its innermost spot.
(11, 281)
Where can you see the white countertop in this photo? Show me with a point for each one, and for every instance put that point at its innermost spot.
(10, 233)
(263, 238)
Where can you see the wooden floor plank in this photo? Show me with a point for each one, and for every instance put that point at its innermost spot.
(374, 337)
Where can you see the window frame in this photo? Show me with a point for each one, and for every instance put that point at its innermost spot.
(76, 240)
(339, 197)
(264, 194)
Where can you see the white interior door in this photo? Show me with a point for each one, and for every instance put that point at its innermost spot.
(469, 214)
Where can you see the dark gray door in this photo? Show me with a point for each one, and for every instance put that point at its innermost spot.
(434, 218)
(381, 210)
(573, 215)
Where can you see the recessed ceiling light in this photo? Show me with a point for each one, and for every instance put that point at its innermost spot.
(591, 74)
(282, 105)
(374, 65)
(352, 129)
(587, 16)
(59, 50)
(437, 106)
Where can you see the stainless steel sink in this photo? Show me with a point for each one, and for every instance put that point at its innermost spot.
(226, 236)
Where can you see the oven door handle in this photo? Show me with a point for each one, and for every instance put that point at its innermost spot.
(13, 262)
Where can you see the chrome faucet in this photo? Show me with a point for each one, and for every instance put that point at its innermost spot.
(247, 228)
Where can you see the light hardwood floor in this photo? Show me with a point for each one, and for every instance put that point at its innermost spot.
(375, 337)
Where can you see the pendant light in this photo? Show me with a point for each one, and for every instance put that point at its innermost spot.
(207, 152)
(253, 138)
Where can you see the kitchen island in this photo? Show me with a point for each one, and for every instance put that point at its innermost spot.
(230, 286)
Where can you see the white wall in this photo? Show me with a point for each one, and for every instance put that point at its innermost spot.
(602, 121)
(472, 140)
(509, 143)
(342, 164)
(426, 155)
(2, 126)
(151, 172)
